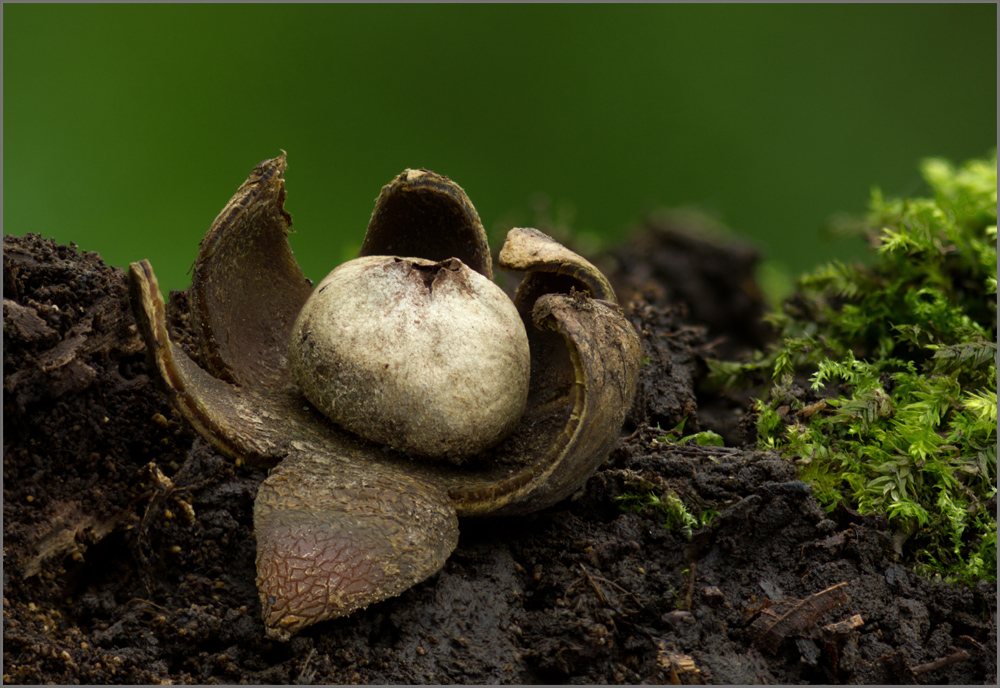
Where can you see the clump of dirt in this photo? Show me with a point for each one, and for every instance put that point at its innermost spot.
(686, 260)
(129, 547)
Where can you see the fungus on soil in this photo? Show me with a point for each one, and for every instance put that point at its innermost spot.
(359, 508)
(425, 357)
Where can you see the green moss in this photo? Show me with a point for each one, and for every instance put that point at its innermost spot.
(676, 436)
(883, 383)
(676, 514)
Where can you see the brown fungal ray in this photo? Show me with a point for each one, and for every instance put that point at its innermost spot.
(343, 522)
(585, 363)
(232, 418)
(242, 318)
(420, 214)
(333, 539)
(551, 267)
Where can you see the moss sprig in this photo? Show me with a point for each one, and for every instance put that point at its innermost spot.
(882, 384)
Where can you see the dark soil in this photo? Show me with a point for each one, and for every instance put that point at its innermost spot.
(129, 547)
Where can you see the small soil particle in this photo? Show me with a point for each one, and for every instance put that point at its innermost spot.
(129, 547)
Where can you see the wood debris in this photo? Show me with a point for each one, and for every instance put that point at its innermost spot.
(680, 669)
(791, 617)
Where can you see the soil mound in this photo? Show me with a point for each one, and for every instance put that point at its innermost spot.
(129, 548)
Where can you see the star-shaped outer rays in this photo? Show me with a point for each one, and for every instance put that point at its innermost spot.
(342, 522)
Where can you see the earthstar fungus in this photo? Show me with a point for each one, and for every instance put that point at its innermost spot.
(345, 519)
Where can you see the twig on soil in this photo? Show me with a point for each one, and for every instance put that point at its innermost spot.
(597, 589)
(972, 641)
(941, 663)
(147, 603)
(601, 596)
(690, 591)
(307, 675)
(635, 434)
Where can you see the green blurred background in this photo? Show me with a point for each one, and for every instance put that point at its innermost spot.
(128, 127)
